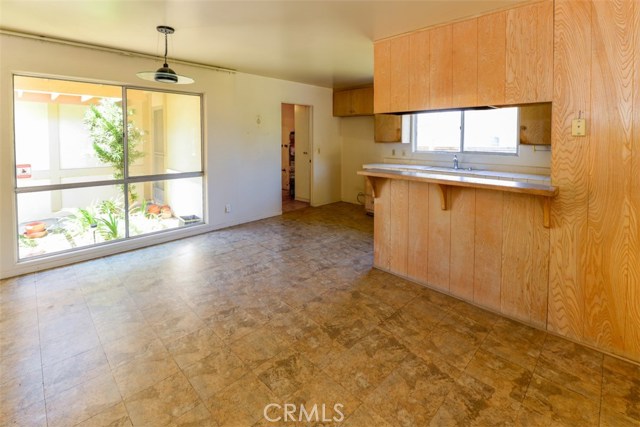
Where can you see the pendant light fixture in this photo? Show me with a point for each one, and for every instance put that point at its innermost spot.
(165, 74)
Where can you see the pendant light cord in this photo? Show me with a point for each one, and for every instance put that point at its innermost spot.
(165, 49)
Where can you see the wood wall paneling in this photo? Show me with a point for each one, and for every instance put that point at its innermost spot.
(382, 224)
(609, 174)
(440, 67)
(419, 70)
(418, 241)
(464, 60)
(569, 157)
(382, 76)
(488, 249)
(463, 216)
(491, 58)
(439, 240)
(399, 227)
(632, 323)
(525, 260)
(399, 76)
(529, 54)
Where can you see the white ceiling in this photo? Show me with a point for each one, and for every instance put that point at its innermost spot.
(324, 43)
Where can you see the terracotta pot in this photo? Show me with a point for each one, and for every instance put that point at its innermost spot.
(153, 209)
(35, 227)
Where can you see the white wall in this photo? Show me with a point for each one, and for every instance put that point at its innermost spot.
(242, 137)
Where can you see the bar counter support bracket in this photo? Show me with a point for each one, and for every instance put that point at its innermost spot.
(444, 196)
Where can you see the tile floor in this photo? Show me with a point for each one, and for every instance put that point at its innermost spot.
(207, 331)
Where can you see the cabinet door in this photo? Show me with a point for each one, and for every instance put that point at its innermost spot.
(342, 103)
(399, 85)
(419, 71)
(491, 58)
(381, 76)
(387, 128)
(529, 53)
(440, 67)
(465, 63)
(362, 101)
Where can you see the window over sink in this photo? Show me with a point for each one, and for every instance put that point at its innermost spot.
(491, 131)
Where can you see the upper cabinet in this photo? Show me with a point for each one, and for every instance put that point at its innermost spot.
(353, 102)
(529, 54)
(496, 59)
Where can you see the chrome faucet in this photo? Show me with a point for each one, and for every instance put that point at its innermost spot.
(455, 161)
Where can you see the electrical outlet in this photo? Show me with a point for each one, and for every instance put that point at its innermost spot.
(578, 127)
(227, 208)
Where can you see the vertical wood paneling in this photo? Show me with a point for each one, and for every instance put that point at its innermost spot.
(488, 249)
(539, 287)
(463, 215)
(632, 323)
(609, 174)
(569, 157)
(382, 224)
(382, 76)
(399, 84)
(544, 51)
(419, 70)
(529, 54)
(491, 58)
(465, 63)
(399, 226)
(517, 252)
(418, 247)
(440, 67)
(439, 241)
(525, 259)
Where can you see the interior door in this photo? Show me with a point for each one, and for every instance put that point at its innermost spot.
(303, 152)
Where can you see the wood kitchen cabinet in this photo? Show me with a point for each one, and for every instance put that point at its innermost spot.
(353, 102)
(387, 128)
(529, 54)
(496, 59)
(464, 63)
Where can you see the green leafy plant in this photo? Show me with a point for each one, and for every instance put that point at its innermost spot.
(106, 128)
(108, 226)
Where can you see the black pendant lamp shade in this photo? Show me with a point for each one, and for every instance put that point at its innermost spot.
(165, 74)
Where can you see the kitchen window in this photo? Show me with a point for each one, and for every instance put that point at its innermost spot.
(97, 164)
(491, 131)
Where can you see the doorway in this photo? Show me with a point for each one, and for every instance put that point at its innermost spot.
(296, 156)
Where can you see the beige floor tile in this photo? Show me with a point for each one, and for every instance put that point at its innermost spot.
(216, 371)
(82, 402)
(365, 416)
(621, 387)
(507, 379)
(194, 347)
(231, 323)
(361, 369)
(573, 366)
(241, 403)
(286, 373)
(611, 418)
(515, 342)
(34, 415)
(163, 403)
(473, 403)
(144, 369)
(74, 370)
(559, 404)
(20, 393)
(68, 345)
(130, 346)
(115, 416)
(19, 363)
(199, 416)
(331, 400)
(259, 346)
(413, 392)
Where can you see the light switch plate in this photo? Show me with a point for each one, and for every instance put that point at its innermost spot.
(578, 127)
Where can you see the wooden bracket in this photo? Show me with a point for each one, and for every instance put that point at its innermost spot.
(546, 212)
(444, 196)
(373, 182)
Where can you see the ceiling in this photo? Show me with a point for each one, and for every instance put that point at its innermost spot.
(324, 43)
